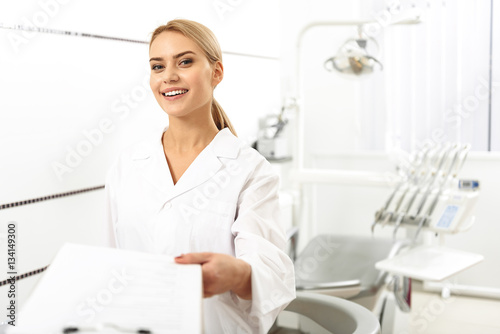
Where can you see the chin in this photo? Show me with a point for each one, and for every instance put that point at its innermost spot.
(176, 112)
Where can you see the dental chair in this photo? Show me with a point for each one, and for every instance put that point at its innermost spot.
(334, 314)
(343, 268)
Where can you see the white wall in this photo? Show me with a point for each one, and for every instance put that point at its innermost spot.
(57, 90)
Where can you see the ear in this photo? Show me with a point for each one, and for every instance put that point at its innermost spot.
(218, 73)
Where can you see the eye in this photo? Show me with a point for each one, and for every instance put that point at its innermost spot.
(156, 67)
(185, 61)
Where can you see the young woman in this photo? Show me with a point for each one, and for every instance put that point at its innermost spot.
(195, 189)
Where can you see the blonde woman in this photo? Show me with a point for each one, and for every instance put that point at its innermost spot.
(195, 189)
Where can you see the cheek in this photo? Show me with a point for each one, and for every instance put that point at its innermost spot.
(203, 81)
(153, 82)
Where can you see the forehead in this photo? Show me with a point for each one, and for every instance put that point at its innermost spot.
(170, 43)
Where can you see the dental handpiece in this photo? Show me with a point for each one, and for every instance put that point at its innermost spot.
(456, 161)
(441, 158)
(455, 166)
(380, 213)
(420, 156)
(426, 179)
(402, 215)
(389, 215)
(461, 160)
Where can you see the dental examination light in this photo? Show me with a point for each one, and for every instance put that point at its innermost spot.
(356, 56)
(361, 65)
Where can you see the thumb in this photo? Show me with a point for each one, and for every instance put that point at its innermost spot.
(193, 258)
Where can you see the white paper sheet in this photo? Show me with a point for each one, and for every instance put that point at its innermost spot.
(112, 291)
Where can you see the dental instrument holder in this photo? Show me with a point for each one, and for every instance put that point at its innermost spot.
(439, 203)
(447, 215)
(442, 203)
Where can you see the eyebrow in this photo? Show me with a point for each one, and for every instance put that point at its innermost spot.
(174, 57)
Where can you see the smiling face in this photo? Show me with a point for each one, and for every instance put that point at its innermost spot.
(182, 79)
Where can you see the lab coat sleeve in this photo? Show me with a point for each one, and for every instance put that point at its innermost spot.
(110, 212)
(260, 241)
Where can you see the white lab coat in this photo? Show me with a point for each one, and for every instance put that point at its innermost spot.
(225, 202)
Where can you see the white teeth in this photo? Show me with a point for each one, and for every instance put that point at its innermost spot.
(175, 92)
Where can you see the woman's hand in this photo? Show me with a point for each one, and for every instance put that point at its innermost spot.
(221, 273)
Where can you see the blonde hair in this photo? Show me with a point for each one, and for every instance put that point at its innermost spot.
(206, 41)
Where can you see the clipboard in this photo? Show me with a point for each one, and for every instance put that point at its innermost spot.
(99, 289)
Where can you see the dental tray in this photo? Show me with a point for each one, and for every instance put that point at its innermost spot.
(429, 263)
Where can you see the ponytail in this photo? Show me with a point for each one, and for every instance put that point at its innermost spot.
(220, 118)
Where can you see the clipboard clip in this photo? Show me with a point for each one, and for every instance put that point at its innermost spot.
(100, 327)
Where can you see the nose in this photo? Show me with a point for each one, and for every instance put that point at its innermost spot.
(170, 75)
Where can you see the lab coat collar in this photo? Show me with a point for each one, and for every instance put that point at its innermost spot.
(156, 171)
(225, 144)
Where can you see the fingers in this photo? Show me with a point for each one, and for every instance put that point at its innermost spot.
(221, 272)
(198, 258)
(193, 258)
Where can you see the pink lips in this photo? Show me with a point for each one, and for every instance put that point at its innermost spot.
(176, 97)
(172, 98)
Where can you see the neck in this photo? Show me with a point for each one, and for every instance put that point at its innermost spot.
(185, 135)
